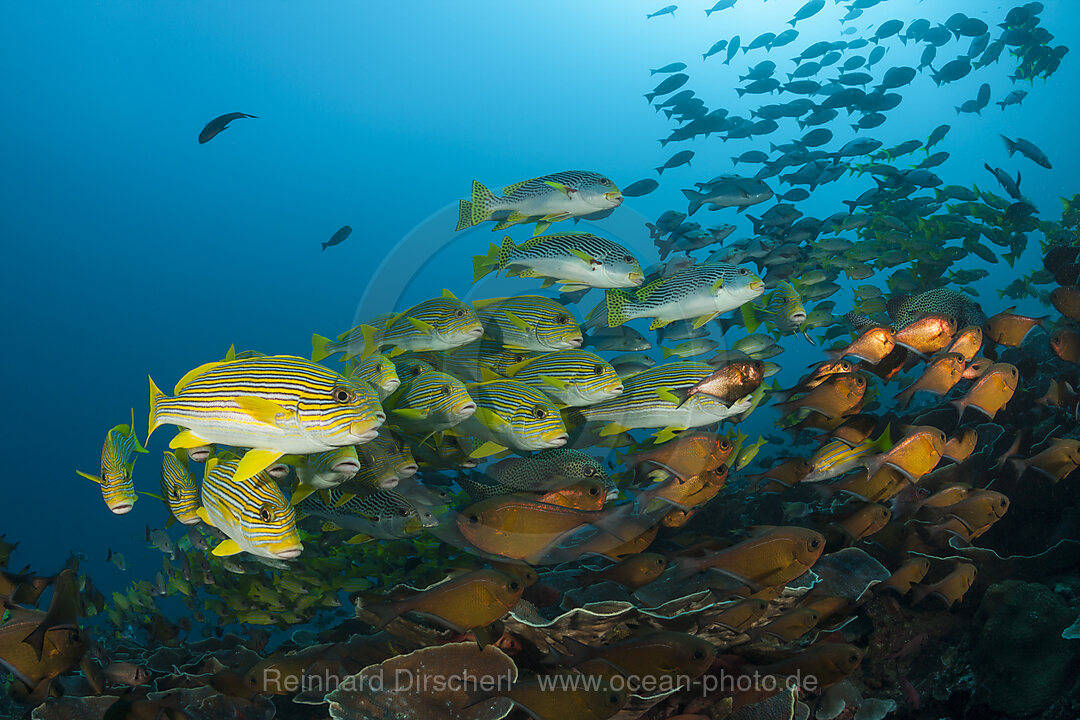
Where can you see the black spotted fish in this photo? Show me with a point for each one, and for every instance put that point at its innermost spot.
(575, 260)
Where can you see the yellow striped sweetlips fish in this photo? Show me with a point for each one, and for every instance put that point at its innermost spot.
(652, 399)
(529, 322)
(543, 200)
(323, 470)
(441, 323)
(117, 465)
(569, 377)
(700, 292)
(275, 405)
(178, 487)
(511, 414)
(252, 512)
(379, 372)
(575, 260)
(428, 402)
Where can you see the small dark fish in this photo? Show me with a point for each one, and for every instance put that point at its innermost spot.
(666, 10)
(669, 68)
(717, 46)
(641, 187)
(219, 124)
(1014, 98)
(679, 158)
(806, 11)
(720, 5)
(338, 237)
(1028, 150)
(669, 85)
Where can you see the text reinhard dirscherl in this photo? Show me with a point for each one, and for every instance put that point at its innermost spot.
(406, 680)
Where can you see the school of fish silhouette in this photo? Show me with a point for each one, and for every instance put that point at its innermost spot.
(488, 509)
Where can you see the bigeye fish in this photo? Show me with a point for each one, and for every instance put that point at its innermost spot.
(529, 322)
(324, 470)
(651, 399)
(574, 260)
(252, 512)
(429, 402)
(569, 377)
(701, 292)
(117, 465)
(178, 487)
(275, 405)
(379, 372)
(543, 200)
(511, 414)
(377, 514)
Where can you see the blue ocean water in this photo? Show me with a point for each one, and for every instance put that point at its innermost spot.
(130, 249)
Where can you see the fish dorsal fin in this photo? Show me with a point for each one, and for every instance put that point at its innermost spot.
(447, 294)
(192, 374)
(511, 188)
(486, 303)
(517, 367)
(230, 354)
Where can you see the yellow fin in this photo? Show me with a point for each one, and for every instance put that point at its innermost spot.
(345, 497)
(584, 256)
(301, 492)
(517, 322)
(94, 478)
(612, 429)
(230, 354)
(192, 374)
(410, 413)
(447, 294)
(489, 418)
(667, 396)
(488, 448)
(699, 321)
(227, 547)
(564, 189)
(330, 526)
(254, 462)
(357, 539)
(186, 439)
(424, 327)
(659, 323)
(204, 516)
(667, 434)
(553, 382)
(263, 410)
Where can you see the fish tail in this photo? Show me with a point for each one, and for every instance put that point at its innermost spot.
(484, 264)
(1010, 145)
(371, 341)
(155, 398)
(320, 349)
(750, 318)
(482, 201)
(695, 201)
(464, 215)
(617, 301)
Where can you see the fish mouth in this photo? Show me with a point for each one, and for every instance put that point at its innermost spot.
(575, 341)
(559, 440)
(288, 553)
(122, 508)
(636, 278)
(391, 385)
(476, 330)
(407, 471)
(349, 467)
(757, 285)
(614, 197)
(465, 410)
(615, 389)
(363, 432)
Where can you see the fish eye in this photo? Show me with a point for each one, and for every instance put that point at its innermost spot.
(460, 312)
(724, 444)
(173, 494)
(539, 412)
(853, 658)
(815, 544)
(698, 655)
(562, 319)
(514, 585)
(743, 271)
(627, 259)
(264, 513)
(403, 512)
(597, 369)
(859, 381)
(588, 471)
(604, 181)
(594, 490)
(614, 699)
(474, 519)
(343, 395)
(445, 389)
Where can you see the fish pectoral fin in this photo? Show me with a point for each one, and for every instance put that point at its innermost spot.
(410, 413)
(345, 497)
(612, 429)
(668, 396)
(564, 189)
(424, 327)
(668, 433)
(488, 448)
(204, 516)
(254, 462)
(186, 439)
(489, 418)
(700, 321)
(572, 287)
(88, 476)
(659, 323)
(263, 410)
(330, 526)
(586, 257)
(301, 492)
(358, 539)
(226, 548)
(517, 322)
(553, 382)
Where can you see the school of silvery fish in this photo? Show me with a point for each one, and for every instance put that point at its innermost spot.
(502, 487)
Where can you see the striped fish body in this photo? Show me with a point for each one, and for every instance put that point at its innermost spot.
(328, 469)
(544, 200)
(280, 403)
(836, 457)
(117, 468)
(651, 399)
(429, 402)
(178, 487)
(700, 292)
(785, 305)
(570, 377)
(513, 415)
(529, 322)
(468, 362)
(253, 513)
(438, 324)
(383, 463)
(575, 260)
(381, 514)
(379, 372)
